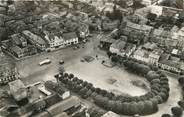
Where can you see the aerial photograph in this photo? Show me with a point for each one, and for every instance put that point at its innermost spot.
(91, 58)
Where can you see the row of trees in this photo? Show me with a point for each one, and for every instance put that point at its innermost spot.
(143, 105)
(158, 80)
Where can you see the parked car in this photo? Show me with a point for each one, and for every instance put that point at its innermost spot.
(61, 61)
(44, 62)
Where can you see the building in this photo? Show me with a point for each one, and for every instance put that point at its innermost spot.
(179, 36)
(155, 56)
(170, 11)
(18, 90)
(70, 38)
(149, 2)
(17, 51)
(106, 41)
(109, 25)
(148, 53)
(83, 30)
(164, 38)
(122, 48)
(136, 31)
(165, 11)
(35, 40)
(19, 40)
(17, 48)
(54, 39)
(142, 55)
(8, 71)
(169, 63)
(62, 91)
(139, 28)
(60, 107)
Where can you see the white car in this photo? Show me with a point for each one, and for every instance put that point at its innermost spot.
(46, 61)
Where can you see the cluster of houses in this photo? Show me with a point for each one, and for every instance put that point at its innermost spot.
(8, 71)
(149, 53)
(30, 34)
(158, 47)
(30, 100)
(51, 32)
(27, 43)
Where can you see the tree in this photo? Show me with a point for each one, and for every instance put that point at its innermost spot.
(144, 69)
(114, 59)
(71, 76)
(109, 54)
(181, 80)
(83, 91)
(89, 85)
(126, 108)
(111, 105)
(93, 111)
(118, 108)
(164, 96)
(152, 75)
(88, 93)
(151, 16)
(93, 95)
(159, 99)
(103, 92)
(155, 87)
(85, 83)
(134, 108)
(140, 106)
(177, 111)
(155, 81)
(148, 107)
(65, 75)
(181, 103)
(101, 101)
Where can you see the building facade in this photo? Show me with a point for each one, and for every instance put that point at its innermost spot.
(61, 39)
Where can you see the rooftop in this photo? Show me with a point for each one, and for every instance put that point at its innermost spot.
(34, 37)
(150, 46)
(107, 39)
(139, 27)
(16, 38)
(70, 35)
